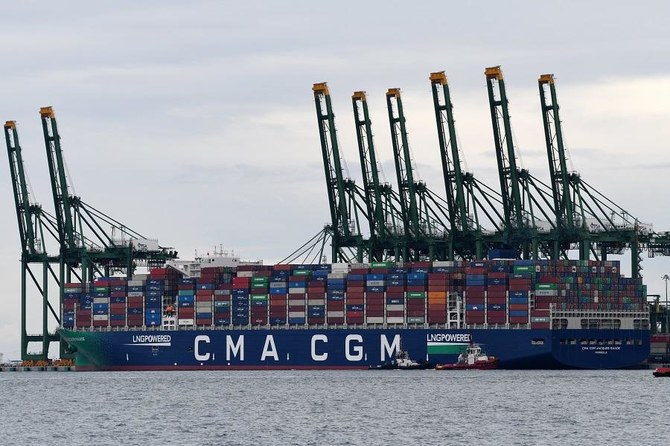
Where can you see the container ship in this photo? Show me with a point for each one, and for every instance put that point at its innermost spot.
(530, 314)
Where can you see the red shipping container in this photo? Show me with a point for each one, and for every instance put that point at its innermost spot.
(335, 305)
(540, 325)
(100, 323)
(521, 307)
(336, 320)
(117, 323)
(474, 300)
(395, 289)
(437, 319)
(415, 288)
(496, 300)
(415, 313)
(395, 313)
(117, 307)
(474, 316)
(437, 287)
(358, 292)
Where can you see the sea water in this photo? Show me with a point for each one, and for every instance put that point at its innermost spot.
(497, 407)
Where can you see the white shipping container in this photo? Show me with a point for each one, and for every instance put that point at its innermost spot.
(135, 294)
(339, 268)
(245, 274)
(316, 302)
(221, 292)
(300, 290)
(337, 275)
(101, 300)
(336, 314)
(278, 285)
(296, 302)
(375, 320)
(395, 320)
(394, 307)
(376, 283)
(136, 283)
(444, 263)
(100, 317)
(186, 321)
(296, 314)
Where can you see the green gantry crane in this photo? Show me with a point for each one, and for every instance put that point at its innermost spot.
(424, 213)
(35, 225)
(85, 238)
(466, 197)
(522, 194)
(383, 205)
(344, 197)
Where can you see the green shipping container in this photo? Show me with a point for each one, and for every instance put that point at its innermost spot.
(416, 294)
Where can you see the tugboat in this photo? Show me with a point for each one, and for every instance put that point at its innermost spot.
(662, 372)
(473, 358)
(402, 361)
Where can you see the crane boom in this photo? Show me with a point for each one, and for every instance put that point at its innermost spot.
(451, 163)
(403, 165)
(504, 145)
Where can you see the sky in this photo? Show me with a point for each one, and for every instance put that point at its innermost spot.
(194, 122)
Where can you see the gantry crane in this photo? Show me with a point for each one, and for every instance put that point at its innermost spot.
(424, 213)
(466, 197)
(35, 226)
(90, 240)
(584, 216)
(344, 197)
(522, 194)
(383, 205)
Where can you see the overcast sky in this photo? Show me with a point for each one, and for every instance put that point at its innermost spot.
(194, 122)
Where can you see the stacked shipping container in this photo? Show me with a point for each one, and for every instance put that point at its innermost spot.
(494, 292)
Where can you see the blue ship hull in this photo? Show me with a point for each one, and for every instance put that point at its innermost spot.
(352, 348)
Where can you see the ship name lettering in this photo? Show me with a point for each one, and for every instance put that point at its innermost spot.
(196, 348)
(140, 339)
(269, 349)
(354, 353)
(389, 349)
(234, 348)
(448, 337)
(321, 356)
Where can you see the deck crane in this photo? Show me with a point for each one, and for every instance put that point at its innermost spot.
(344, 196)
(383, 208)
(423, 214)
(465, 196)
(35, 225)
(521, 192)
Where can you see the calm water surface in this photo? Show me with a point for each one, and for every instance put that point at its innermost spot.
(498, 407)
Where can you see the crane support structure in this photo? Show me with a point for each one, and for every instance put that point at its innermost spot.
(383, 207)
(342, 192)
(504, 144)
(36, 264)
(403, 164)
(450, 156)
